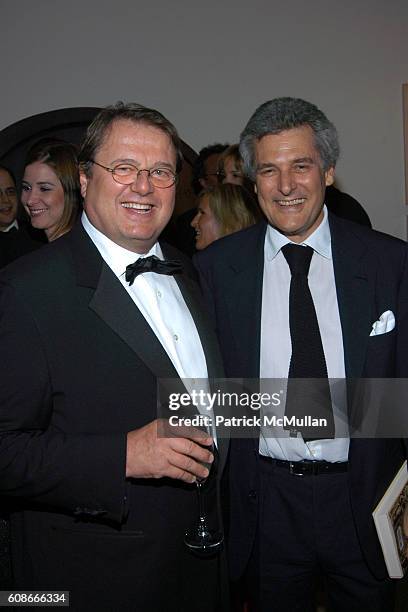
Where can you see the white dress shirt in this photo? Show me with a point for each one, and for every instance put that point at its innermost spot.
(160, 301)
(14, 224)
(276, 345)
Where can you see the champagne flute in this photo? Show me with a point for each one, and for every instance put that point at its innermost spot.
(200, 539)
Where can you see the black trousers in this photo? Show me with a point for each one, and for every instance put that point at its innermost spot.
(306, 539)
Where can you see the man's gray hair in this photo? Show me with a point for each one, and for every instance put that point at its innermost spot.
(281, 114)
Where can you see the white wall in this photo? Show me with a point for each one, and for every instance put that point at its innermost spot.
(208, 65)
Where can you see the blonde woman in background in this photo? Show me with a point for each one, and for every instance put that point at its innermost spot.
(223, 210)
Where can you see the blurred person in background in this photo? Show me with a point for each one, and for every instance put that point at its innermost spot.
(221, 211)
(230, 168)
(205, 169)
(8, 201)
(50, 188)
(15, 240)
(205, 176)
(344, 205)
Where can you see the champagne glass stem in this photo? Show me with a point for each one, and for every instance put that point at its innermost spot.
(200, 538)
(201, 507)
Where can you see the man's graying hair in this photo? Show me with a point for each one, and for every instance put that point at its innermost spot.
(281, 114)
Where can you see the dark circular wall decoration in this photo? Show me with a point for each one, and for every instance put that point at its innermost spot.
(70, 124)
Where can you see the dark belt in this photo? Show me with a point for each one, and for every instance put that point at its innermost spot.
(306, 468)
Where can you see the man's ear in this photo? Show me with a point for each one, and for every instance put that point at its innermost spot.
(83, 180)
(329, 176)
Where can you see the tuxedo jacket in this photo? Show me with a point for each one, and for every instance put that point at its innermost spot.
(81, 371)
(15, 243)
(368, 268)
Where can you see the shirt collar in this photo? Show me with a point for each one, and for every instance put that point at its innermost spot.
(319, 240)
(114, 255)
(14, 224)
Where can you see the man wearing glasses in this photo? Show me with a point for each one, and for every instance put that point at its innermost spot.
(102, 314)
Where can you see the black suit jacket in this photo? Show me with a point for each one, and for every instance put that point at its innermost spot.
(15, 243)
(368, 269)
(82, 369)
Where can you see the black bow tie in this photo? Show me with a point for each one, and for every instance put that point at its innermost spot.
(152, 264)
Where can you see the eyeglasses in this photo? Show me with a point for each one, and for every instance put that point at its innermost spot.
(126, 174)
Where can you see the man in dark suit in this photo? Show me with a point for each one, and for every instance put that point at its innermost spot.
(102, 500)
(301, 507)
(14, 242)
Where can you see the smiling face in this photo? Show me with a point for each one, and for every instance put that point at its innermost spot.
(8, 199)
(291, 182)
(134, 215)
(205, 224)
(43, 197)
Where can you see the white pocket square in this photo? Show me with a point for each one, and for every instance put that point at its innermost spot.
(385, 324)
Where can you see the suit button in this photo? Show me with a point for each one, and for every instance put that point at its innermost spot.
(253, 495)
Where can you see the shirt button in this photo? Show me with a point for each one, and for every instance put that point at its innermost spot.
(159, 294)
(175, 337)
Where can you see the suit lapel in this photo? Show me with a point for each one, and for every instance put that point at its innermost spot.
(246, 278)
(112, 303)
(355, 282)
